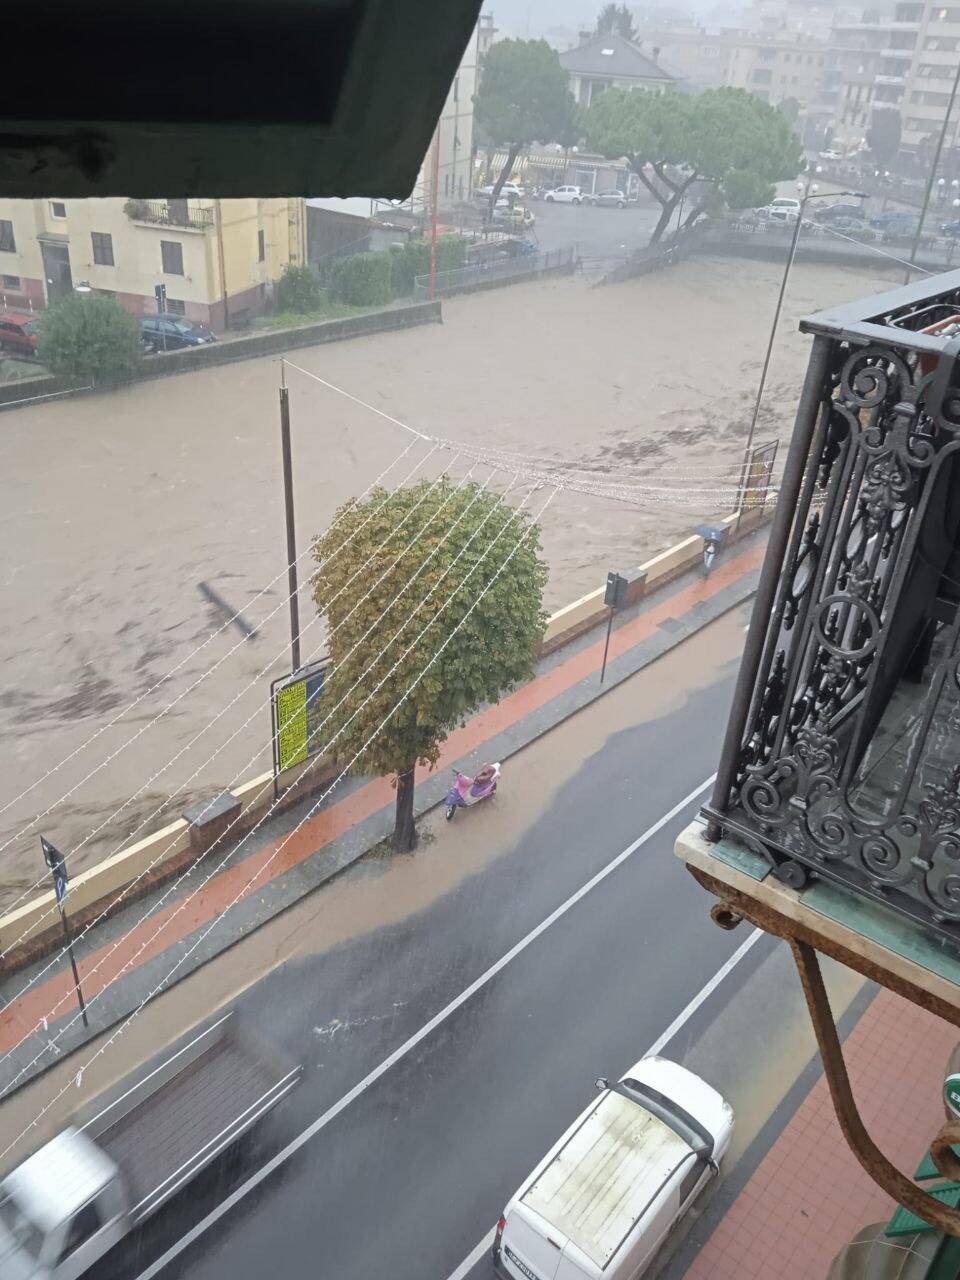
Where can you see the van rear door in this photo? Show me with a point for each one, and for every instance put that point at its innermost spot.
(529, 1251)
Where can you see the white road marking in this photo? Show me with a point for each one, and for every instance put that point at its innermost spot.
(392, 1059)
(472, 1258)
(486, 1244)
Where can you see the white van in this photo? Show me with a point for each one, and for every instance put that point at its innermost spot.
(600, 1203)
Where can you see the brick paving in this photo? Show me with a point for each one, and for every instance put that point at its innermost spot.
(809, 1196)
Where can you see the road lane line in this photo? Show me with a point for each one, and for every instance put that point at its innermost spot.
(471, 1260)
(392, 1059)
(707, 990)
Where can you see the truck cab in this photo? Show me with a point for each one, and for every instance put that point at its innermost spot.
(60, 1211)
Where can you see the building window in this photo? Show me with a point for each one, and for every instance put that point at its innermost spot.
(176, 307)
(261, 247)
(10, 282)
(58, 209)
(102, 248)
(171, 253)
(8, 243)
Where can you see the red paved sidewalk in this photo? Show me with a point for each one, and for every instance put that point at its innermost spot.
(53, 997)
(809, 1196)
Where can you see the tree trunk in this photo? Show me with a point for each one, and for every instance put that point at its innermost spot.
(664, 220)
(504, 175)
(405, 831)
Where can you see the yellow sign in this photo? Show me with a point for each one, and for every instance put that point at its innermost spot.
(292, 724)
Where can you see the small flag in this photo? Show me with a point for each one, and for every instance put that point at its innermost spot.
(58, 866)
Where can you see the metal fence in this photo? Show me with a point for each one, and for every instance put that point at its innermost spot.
(842, 757)
(490, 273)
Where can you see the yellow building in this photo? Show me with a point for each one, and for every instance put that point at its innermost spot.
(218, 259)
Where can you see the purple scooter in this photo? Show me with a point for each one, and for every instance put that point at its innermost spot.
(467, 791)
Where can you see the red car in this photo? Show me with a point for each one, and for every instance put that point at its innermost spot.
(19, 333)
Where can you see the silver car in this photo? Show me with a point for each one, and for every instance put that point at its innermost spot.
(610, 199)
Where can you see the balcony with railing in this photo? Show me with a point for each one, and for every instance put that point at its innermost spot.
(834, 821)
(182, 214)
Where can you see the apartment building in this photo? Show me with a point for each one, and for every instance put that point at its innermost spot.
(218, 259)
(773, 67)
(925, 66)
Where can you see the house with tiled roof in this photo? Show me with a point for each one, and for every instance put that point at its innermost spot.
(602, 62)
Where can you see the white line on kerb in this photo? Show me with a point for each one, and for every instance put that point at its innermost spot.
(392, 1059)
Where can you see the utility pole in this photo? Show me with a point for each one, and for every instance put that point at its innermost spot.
(932, 175)
(809, 194)
(435, 196)
(218, 219)
(292, 587)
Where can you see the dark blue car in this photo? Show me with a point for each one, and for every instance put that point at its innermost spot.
(173, 333)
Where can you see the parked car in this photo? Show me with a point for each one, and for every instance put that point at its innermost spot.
(508, 189)
(564, 195)
(831, 155)
(783, 209)
(610, 199)
(950, 228)
(599, 1204)
(19, 334)
(842, 209)
(895, 223)
(513, 214)
(173, 333)
(852, 226)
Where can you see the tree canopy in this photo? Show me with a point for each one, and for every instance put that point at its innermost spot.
(429, 556)
(729, 143)
(522, 98)
(616, 19)
(89, 336)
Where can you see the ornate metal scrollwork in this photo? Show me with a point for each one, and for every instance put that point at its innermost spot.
(842, 769)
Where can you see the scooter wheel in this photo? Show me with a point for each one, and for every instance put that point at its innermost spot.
(451, 810)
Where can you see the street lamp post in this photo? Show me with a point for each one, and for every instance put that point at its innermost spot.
(810, 193)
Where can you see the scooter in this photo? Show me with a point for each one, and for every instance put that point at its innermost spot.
(467, 791)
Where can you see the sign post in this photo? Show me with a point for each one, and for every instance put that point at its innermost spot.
(58, 869)
(614, 597)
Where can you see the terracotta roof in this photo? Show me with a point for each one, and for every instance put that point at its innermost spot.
(611, 55)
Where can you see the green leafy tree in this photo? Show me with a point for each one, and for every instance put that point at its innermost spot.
(522, 98)
(89, 336)
(883, 137)
(441, 632)
(299, 290)
(616, 20)
(725, 141)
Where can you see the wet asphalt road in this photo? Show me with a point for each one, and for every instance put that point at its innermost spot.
(410, 1176)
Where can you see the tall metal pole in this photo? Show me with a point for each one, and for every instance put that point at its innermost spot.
(748, 447)
(73, 966)
(434, 199)
(931, 176)
(291, 528)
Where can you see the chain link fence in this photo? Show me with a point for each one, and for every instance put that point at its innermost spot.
(482, 274)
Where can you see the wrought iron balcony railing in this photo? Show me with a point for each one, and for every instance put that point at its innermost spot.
(169, 213)
(842, 755)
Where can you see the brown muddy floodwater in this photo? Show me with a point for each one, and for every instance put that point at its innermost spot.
(116, 507)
